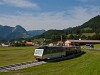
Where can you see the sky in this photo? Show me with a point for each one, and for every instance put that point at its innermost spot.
(47, 14)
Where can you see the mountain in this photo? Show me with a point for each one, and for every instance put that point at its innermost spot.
(35, 32)
(10, 33)
(88, 30)
(93, 25)
(17, 32)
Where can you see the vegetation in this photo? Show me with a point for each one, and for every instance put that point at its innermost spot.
(87, 64)
(97, 46)
(11, 55)
(89, 30)
(93, 25)
(10, 33)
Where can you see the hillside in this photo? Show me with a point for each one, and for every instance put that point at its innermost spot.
(88, 30)
(93, 25)
(9, 33)
(35, 32)
(17, 32)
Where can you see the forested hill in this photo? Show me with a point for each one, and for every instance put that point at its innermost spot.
(89, 30)
(93, 25)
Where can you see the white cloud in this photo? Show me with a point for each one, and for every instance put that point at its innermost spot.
(21, 3)
(81, 15)
(52, 20)
(29, 22)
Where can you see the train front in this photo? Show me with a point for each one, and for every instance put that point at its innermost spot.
(38, 53)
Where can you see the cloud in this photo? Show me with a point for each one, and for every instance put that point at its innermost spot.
(30, 22)
(52, 20)
(21, 3)
(84, 14)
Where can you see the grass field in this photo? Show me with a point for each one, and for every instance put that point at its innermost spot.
(87, 64)
(97, 46)
(11, 55)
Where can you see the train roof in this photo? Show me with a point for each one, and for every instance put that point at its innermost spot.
(85, 41)
(43, 47)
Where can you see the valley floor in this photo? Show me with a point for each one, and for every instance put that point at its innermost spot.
(86, 64)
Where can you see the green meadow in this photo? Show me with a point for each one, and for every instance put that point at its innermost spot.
(12, 55)
(86, 64)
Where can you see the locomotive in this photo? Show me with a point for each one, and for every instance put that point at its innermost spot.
(46, 52)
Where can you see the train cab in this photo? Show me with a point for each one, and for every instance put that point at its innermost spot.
(39, 52)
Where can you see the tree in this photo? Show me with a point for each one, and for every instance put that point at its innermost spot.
(83, 37)
(71, 36)
(96, 37)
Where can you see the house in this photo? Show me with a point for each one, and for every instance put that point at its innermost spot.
(4, 45)
(51, 44)
(60, 43)
(68, 43)
(29, 43)
(37, 43)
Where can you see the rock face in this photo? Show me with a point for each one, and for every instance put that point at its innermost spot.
(10, 33)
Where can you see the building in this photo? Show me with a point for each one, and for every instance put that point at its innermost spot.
(81, 42)
(29, 43)
(4, 45)
(60, 43)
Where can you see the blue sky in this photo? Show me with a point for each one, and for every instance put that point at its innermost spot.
(47, 14)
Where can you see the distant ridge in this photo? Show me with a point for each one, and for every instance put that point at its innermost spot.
(10, 33)
(90, 27)
(17, 32)
(35, 32)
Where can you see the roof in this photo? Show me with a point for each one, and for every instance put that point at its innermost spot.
(29, 43)
(85, 41)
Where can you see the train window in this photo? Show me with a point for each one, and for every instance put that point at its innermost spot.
(42, 47)
(50, 50)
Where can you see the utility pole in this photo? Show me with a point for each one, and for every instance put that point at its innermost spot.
(61, 40)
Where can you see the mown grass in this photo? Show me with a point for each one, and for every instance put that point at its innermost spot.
(97, 46)
(88, 34)
(11, 55)
(87, 64)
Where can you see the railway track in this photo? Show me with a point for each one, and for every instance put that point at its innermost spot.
(23, 65)
(20, 65)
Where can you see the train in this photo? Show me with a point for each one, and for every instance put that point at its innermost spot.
(46, 52)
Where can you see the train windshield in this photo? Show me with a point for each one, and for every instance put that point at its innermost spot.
(38, 52)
